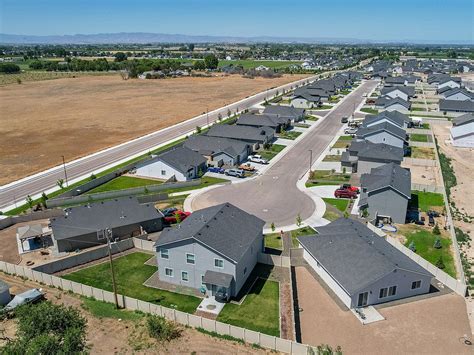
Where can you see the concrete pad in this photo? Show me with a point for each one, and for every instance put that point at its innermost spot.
(210, 305)
(329, 165)
(324, 191)
(370, 315)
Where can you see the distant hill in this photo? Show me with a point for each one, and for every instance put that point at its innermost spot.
(143, 37)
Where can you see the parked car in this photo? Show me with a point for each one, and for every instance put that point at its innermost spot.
(217, 170)
(182, 216)
(30, 296)
(433, 213)
(344, 193)
(431, 221)
(257, 159)
(350, 130)
(247, 167)
(350, 187)
(235, 172)
(169, 211)
(344, 119)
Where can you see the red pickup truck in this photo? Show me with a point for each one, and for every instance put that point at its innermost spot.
(345, 193)
(172, 218)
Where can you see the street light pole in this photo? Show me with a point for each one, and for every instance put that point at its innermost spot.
(65, 172)
(310, 159)
(207, 116)
(108, 235)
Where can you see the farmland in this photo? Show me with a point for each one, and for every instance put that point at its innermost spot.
(78, 116)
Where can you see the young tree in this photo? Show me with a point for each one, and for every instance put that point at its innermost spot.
(211, 61)
(120, 57)
(437, 244)
(29, 201)
(412, 247)
(60, 183)
(178, 217)
(272, 226)
(198, 129)
(299, 221)
(436, 229)
(440, 263)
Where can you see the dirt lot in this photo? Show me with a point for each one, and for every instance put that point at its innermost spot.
(427, 175)
(77, 116)
(110, 335)
(429, 326)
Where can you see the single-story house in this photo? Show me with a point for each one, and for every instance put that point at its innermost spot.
(179, 164)
(219, 151)
(449, 82)
(458, 94)
(395, 118)
(462, 132)
(292, 113)
(304, 100)
(252, 135)
(385, 192)
(383, 133)
(274, 122)
(360, 267)
(389, 104)
(214, 249)
(87, 226)
(456, 106)
(400, 80)
(361, 156)
(402, 92)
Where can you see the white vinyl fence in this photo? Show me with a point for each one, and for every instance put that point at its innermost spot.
(132, 304)
(427, 188)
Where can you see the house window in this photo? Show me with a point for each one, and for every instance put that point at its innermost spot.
(190, 258)
(163, 172)
(415, 285)
(219, 263)
(383, 292)
(164, 253)
(184, 276)
(168, 272)
(392, 290)
(202, 280)
(245, 270)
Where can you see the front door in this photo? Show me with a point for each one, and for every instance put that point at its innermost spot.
(213, 290)
(363, 299)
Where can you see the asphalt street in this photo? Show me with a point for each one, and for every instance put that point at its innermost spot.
(274, 196)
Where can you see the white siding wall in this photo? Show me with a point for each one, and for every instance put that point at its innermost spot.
(333, 285)
(156, 168)
(364, 167)
(458, 97)
(451, 84)
(384, 137)
(397, 107)
(397, 93)
(302, 103)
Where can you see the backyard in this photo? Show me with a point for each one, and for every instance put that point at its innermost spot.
(124, 182)
(423, 153)
(260, 310)
(130, 273)
(417, 137)
(426, 200)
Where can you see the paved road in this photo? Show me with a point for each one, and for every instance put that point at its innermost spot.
(38, 183)
(274, 196)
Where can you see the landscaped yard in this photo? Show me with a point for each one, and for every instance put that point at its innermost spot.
(205, 181)
(340, 203)
(426, 200)
(260, 311)
(311, 118)
(331, 215)
(289, 134)
(328, 176)
(424, 241)
(310, 183)
(416, 137)
(130, 274)
(123, 182)
(372, 111)
(272, 151)
(273, 241)
(333, 158)
(342, 142)
(300, 232)
(423, 153)
(323, 107)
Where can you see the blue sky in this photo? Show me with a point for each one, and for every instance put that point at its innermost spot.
(446, 20)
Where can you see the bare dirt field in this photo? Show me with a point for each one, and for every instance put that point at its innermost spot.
(429, 326)
(120, 336)
(40, 121)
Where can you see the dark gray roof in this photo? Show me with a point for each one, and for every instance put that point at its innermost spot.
(253, 134)
(29, 231)
(212, 145)
(218, 278)
(364, 132)
(182, 159)
(97, 216)
(389, 175)
(224, 228)
(307, 96)
(455, 105)
(249, 119)
(455, 91)
(4, 286)
(409, 90)
(463, 119)
(355, 256)
(386, 101)
(284, 111)
(379, 151)
(396, 117)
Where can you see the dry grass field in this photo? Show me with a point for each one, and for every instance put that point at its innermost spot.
(42, 120)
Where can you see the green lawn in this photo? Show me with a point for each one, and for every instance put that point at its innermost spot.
(101, 309)
(273, 240)
(289, 135)
(249, 64)
(331, 215)
(424, 241)
(205, 181)
(342, 142)
(423, 153)
(271, 152)
(300, 232)
(130, 273)
(340, 203)
(311, 118)
(328, 176)
(123, 182)
(369, 110)
(259, 311)
(416, 137)
(318, 183)
(426, 200)
(332, 158)
(417, 109)
(323, 107)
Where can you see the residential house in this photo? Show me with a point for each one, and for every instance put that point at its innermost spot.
(214, 249)
(304, 100)
(361, 156)
(252, 135)
(274, 122)
(449, 82)
(90, 225)
(219, 151)
(291, 113)
(458, 94)
(385, 192)
(403, 92)
(389, 104)
(456, 106)
(400, 80)
(179, 164)
(462, 132)
(360, 267)
(395, 118)
(383, 133)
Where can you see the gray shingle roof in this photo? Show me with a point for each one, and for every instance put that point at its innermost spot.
(224, 228)
(211, 145)
(409, 90)
(364, 132)
(249, 119)
(253, 134)
(396, 117)
(284, 111)
(463, 119)
(218, 278)
(386, 101)
(455, 105)
(355, 256)
(380, 151)
(455, 91)
(182, 159)
(97, 216)
(388, 175)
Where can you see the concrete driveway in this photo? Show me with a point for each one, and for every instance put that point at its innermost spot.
(274, 196)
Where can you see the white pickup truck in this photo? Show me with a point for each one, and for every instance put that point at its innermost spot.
(257, 159)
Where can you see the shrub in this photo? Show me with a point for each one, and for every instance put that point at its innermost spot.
(9, 68)
(436, 230)
(412, 247)
(161, 329)
(440, 263)
(437, 244)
